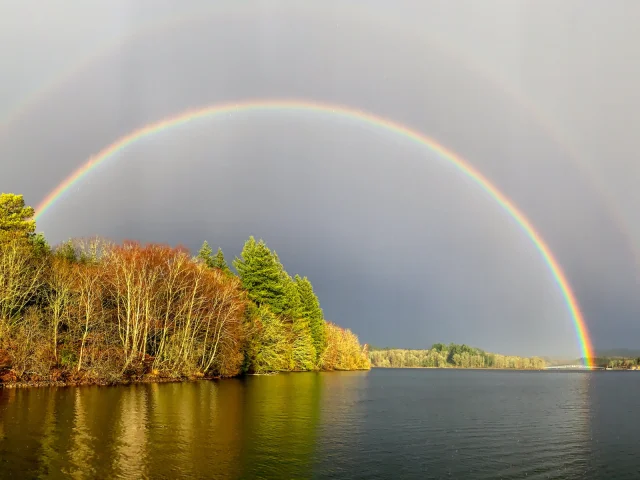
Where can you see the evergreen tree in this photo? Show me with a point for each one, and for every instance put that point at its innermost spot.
(40, 245)
(220, 262)
(261, 275)
(206, 255)
(15, 217)
(303, 353)
(292, 306)
(67, 251)
(310, 309)
(267, 343)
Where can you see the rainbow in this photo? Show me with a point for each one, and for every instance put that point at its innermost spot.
(341, 111)
(397, 26)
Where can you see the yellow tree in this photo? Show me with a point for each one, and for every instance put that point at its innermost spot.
(58, 296)
(21, 275)
(15, 217)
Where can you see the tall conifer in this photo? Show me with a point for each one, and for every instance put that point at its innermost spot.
(310, 309)
(261, 275)
(206, 254)
(220, 262)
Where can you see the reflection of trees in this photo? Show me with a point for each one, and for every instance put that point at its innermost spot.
(131, 433)
(170, 431)
(282, 414)
(7, 396)
(196, 429)
(343, 422)
(226, 429)
(32, 421)
(81, 452)
(49, 436)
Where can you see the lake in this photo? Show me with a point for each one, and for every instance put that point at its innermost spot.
(386, 423)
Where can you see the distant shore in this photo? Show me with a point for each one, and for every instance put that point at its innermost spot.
(465, 368)
(453, 355)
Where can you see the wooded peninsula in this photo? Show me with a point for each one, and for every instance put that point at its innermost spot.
(95, 312)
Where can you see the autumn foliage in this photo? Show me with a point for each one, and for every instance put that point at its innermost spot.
(93, 311)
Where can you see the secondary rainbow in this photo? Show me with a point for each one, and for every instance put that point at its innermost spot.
(341, 111)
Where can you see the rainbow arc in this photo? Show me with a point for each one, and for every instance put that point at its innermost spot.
(452, 158)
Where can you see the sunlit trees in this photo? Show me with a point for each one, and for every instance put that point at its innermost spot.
(343, 350)
(443, 356)
(310, 309)
(182, 315)
(58, 295)
(302, 353)
(132, 275)
(177, 274)
(221, 342)
(21, 276)
(220, 262)
(261, 275)
(15, 218)
(205, 255)
(95, 311)
(271, 288)
(267, 347)
(89, 306)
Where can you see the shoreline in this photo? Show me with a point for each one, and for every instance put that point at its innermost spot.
(97, 383)
(148, 379)
(468, 368)
(512, 369)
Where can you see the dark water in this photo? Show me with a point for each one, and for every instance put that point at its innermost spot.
(379, 424)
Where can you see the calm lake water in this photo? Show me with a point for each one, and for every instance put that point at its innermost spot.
(391, 423)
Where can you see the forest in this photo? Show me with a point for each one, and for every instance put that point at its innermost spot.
(451, 356)
(93, 311)
(618, 363)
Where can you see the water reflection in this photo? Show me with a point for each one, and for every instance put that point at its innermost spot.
(282, 414)
(378, 424)
(227, 429)
(615, 424)
(81, 451)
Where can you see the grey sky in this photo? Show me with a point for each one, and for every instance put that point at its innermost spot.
(400, 247)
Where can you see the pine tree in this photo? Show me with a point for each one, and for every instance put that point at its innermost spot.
(292, 306)
(267, 343)
(261, 275)
(220, 262)
(15, 218)
(303, 352)
(206, 255)
(310, 309)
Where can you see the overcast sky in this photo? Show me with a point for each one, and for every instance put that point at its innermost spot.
(540, 96)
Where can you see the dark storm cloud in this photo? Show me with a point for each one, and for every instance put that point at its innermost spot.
(399, 246)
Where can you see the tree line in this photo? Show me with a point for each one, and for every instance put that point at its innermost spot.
(622, 363)
(95, 311)
(452, 355)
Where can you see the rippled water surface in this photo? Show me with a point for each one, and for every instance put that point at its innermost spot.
(379, 424)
